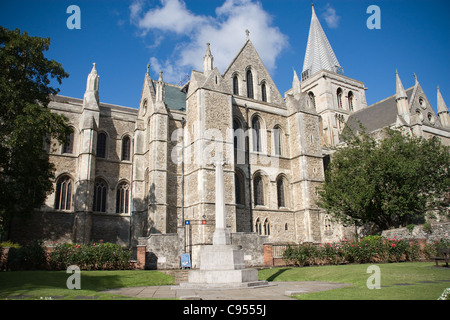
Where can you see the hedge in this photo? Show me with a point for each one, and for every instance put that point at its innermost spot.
(371, 249)
(93, 256)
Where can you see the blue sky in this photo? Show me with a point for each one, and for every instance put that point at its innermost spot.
(123, 36)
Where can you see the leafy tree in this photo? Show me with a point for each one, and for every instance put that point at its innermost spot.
(390, 182)
(26, 124)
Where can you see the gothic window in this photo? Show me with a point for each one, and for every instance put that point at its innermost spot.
(312, 99)
(264, 92)
(258, 226)
(266, 227)
(122, 198)
(101, 145)
(239, 188)
(350, 101)
(236, 127)
(100, 190)
(258, 189)
(339, 98)
(235, 85)
(68, 147)
(256, 126)
(126, 144)
(63, 197)
(277, 140)
(280, 193)
(249, 84)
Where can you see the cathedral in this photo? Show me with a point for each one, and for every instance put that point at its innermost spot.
(146, 175)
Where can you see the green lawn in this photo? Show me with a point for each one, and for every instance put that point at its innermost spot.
(399, 281)
(45, 284)
(425, 282)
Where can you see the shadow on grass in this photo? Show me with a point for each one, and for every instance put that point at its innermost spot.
(277, 274)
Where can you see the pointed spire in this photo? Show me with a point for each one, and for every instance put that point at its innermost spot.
(296, 86)
(91, 96)
(160, 88)
(319, 54)
(442, 110)
(400, 91)
(208, 59)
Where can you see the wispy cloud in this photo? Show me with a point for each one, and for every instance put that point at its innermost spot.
(225, 31)
(330, 16)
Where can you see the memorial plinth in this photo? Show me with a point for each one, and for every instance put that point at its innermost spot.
(222, 264)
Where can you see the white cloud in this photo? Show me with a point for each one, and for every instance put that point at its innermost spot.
(330, 16)
(225, 31)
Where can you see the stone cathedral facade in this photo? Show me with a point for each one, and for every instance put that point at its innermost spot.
(146, 174)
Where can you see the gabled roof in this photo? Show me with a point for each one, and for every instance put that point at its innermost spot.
(377, 116)
(174, 97)
(319, 54)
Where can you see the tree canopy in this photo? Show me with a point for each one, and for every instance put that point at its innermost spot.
(391, 182)
(26, 124)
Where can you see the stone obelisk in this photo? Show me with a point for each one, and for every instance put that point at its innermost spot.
(222, 264)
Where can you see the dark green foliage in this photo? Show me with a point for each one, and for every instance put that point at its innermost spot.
(26, 124)
(390, 183)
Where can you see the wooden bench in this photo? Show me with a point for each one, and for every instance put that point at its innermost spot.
(443, 254)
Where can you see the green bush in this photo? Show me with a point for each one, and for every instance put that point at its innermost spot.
(31, 256)
(371, 249)
(93, 256)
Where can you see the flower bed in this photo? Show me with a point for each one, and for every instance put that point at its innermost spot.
(371, 249)
(93, 256)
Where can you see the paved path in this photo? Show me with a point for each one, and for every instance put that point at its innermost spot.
(274, 291)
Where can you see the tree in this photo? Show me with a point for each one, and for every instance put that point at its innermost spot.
(26, 124)
(390, 183)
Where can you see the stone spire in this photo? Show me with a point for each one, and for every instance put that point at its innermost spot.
(91, 97)
(319, 54)
(160, 89)
(442, 110)
(208, 60)
(400, 96)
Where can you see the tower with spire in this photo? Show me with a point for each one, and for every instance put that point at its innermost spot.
(333, 95)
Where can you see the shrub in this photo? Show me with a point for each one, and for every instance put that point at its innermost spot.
(93, 256)
(371, 249)
(31, 256)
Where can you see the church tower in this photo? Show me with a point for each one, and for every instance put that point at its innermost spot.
(442, 110)
(333, 95)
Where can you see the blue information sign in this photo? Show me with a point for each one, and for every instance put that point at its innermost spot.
(185, 260)
(186, 222)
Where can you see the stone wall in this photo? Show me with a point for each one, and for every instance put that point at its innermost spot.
(437, 231)
(163, 250)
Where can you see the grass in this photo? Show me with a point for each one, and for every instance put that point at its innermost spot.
(44, 284)
(399, 281)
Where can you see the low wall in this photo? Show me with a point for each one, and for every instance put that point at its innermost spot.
(437, 231)
(163, 251)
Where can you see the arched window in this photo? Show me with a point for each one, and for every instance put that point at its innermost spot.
(258, 190)
(312, 99)
(239, 189)
(236, 127)
(250, 84)
(277, 140)
(350, 101)
(264, 92)
(101, 145)
(68, 147)
(256, 126)
(266, 227)
(122, 198)
(235, 85)
(100, 192)
(126, 144)
(63, 197)
(280, 193)
(258, 226)
(339, 98)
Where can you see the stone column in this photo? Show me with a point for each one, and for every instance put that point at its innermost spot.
(221, 234)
